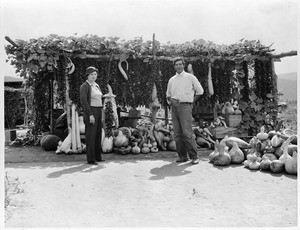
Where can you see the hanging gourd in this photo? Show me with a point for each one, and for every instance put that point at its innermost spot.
(123, 58)
(210, 83)
(70, 66)
(110, 97)
(190, 69)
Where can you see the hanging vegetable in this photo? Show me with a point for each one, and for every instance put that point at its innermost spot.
(210, 84)
(123, 58)
(110, 97)
(190, 69)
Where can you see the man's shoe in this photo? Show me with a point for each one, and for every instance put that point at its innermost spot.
(92, 163)
(195, 161)
(180, 160)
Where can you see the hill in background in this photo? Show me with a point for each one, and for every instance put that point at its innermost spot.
(287, 84)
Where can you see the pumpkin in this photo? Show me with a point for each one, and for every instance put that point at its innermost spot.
(49, 142)
(291, 164)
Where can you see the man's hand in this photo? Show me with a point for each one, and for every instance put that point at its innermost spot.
(92, 119)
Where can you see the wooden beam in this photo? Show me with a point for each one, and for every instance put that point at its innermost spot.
(285, 54)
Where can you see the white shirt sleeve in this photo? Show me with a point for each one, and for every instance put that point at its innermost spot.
(197, 86)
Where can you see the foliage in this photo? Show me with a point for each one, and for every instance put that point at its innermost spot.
(44, 60)
(15, 106)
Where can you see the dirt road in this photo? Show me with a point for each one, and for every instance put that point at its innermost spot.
(150, 193)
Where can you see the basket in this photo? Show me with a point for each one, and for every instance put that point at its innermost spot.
(233, 120)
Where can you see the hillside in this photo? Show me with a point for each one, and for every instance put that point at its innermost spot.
(287, 84)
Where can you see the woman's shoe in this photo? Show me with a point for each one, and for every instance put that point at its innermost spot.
(92, 163)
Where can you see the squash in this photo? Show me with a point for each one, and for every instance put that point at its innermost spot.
(171, 145)
(159, 137)
(222, 158)
(81, 125)
(262, 135)
(120, 139)
(215, 152)
(291, 164)
(236, 154)
(277, 166)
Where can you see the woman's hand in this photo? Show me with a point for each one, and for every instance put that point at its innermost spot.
(92, 119)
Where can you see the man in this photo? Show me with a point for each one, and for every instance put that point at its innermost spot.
(183, 90)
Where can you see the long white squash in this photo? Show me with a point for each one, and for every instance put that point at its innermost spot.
(78, 140)
(210, 84)
(74, 147)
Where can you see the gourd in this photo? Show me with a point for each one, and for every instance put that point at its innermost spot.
(223, 158)
(277, 166)
(262, 135)
(209, 81)
(265, 164)
(154, 150)
(236, 154)
(246, 163)
(283, 158)
(252, 144)
(241, 143)
(159, 137)
(123, 58)
(291, 164)
(81, 125)
(171, 145)
(228, 108)
(190, 68)
(145, 150)
(270, 156)
(254, 164)
(120, 139)
(135, 149)
(123, 150)
(215, 152)
(108, 144)
(276, 141)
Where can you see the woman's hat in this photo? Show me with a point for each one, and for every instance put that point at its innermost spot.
(90, 69)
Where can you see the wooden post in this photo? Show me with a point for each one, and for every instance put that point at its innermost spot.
(275, 90)
(68, 102)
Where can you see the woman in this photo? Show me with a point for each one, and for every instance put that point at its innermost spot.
(91, 101)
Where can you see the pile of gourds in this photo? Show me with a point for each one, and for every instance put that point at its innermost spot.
(149, 138)
(275, 150)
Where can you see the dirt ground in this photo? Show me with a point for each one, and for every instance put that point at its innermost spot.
(144, 191)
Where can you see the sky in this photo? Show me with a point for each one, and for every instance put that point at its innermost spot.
(177, 21)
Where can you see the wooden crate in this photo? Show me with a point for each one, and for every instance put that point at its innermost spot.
(233, 120)
(221, 132)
